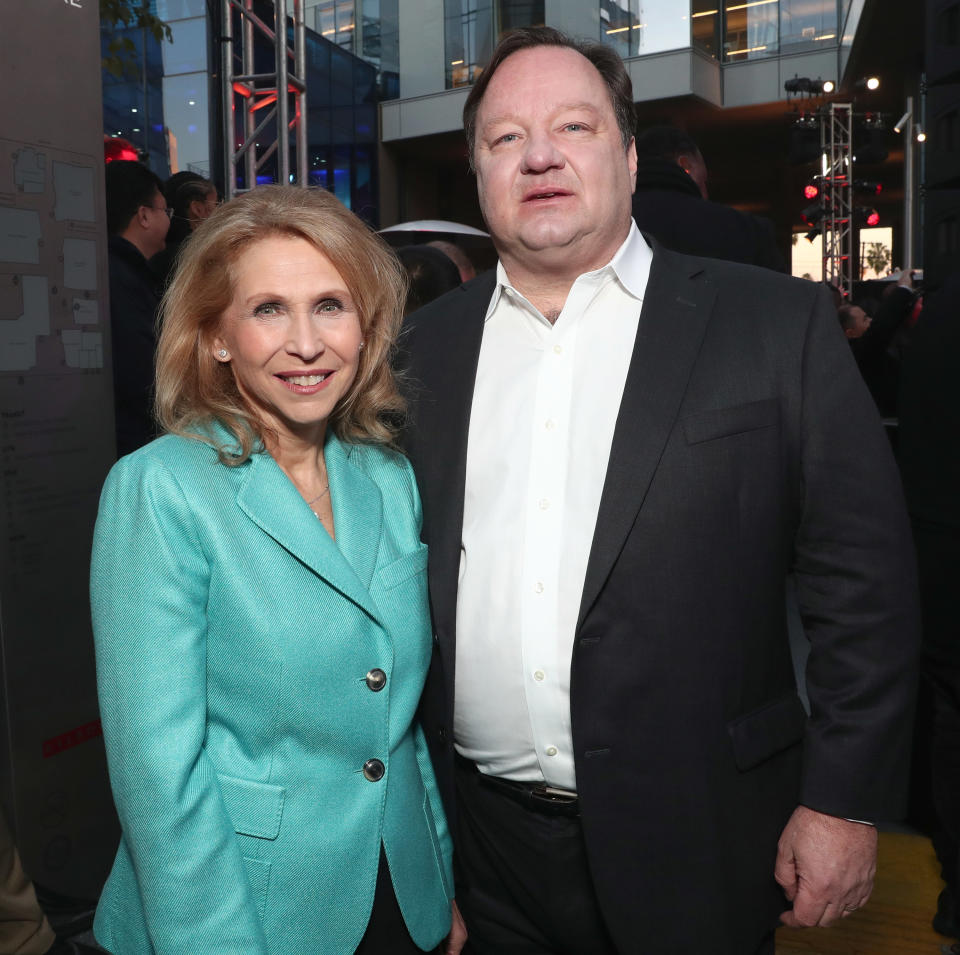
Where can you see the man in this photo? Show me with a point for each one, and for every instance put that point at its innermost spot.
(871, 339)
(929, 444)
(137, 222)
(671, 204)
(622, 453)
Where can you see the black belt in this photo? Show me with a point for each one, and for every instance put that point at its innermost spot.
(537, 797)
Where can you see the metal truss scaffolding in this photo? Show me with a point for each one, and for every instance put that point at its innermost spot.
(836, 194)
(268, 117)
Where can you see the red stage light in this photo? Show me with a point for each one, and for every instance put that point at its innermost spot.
(810, 191)
(873, 218)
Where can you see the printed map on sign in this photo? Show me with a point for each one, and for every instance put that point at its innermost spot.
(49, 246)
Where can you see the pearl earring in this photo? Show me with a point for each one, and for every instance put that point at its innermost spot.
(361, 346)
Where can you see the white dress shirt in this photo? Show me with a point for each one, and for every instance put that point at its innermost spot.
(544, 409)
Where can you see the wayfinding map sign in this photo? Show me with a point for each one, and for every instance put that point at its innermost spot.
(56, 438)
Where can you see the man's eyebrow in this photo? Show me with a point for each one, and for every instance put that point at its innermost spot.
(562, 108)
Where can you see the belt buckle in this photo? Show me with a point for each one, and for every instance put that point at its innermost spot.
(559, 796)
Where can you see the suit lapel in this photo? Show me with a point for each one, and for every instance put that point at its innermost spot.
(269, 499)
(673, 319)
(445, 425)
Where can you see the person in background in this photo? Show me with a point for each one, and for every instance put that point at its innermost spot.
(672, 205)
(929, 455)
(458, 256)
(138, 219)
(259, 600)
(192, 199)
(871, 338)
(623, 453)
(430, 273)
(24, 929)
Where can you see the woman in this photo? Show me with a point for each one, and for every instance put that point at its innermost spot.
(260, 611)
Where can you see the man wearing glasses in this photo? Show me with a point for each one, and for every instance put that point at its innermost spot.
(137, 222)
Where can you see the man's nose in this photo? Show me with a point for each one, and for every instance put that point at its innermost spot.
(541, 153)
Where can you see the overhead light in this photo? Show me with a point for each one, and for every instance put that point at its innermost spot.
(829, 86)
(921, 136)
(901, 122)
(870, 83)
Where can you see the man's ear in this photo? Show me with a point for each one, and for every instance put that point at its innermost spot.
(632, 163)
(685, 162)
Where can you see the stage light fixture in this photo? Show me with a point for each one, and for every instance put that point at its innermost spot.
(829, 86)
(811, 190)
(870, 83)
(812, 214)
(901, 122)
(921, 136)
(867, 185)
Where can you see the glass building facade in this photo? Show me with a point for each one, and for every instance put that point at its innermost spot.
(471, 30)
(739, 30)
(161, 103)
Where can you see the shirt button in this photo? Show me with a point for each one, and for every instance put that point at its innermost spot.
(539, 676)
(538, 587)
(551, 750)
(544, 503)
(549, 424)
(557, 350)
(376, 680)
(373, 770)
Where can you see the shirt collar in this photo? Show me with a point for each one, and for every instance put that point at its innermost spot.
(630, 265)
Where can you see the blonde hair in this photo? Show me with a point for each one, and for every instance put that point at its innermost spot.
(194, 390)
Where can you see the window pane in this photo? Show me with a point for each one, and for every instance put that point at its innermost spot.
(750, 29)
(633, 28)
(705, 26)
(808, 24)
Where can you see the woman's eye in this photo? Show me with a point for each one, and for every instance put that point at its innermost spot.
(267, 309)
(330, 305)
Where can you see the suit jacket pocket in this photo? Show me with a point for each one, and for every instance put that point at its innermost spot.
(403, 568)
(708, 425)
(255, 809)
(766, 731)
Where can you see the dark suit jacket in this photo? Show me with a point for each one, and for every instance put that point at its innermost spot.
(746, 447)
(668, 206)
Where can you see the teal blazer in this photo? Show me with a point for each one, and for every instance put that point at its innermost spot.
(234, 639)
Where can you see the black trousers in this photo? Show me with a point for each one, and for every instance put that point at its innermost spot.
(386, 932)
(527, 888)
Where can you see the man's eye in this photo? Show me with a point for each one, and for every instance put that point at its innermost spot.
(574, 127)
(506, 138)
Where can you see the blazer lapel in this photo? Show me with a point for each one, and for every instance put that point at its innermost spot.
(269, 499)
(673, 319)
(357, 511)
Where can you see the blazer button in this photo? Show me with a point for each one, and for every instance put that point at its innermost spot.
(373, 770)
(376, 680)
(442, 734)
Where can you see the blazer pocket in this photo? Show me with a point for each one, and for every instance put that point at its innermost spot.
(403, 568)
(766, 731)
(707, 425)
(255, 809)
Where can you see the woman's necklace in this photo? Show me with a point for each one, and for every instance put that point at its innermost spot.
(314, 500)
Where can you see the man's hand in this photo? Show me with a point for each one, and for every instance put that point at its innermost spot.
(825, 866)
(454, 942)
